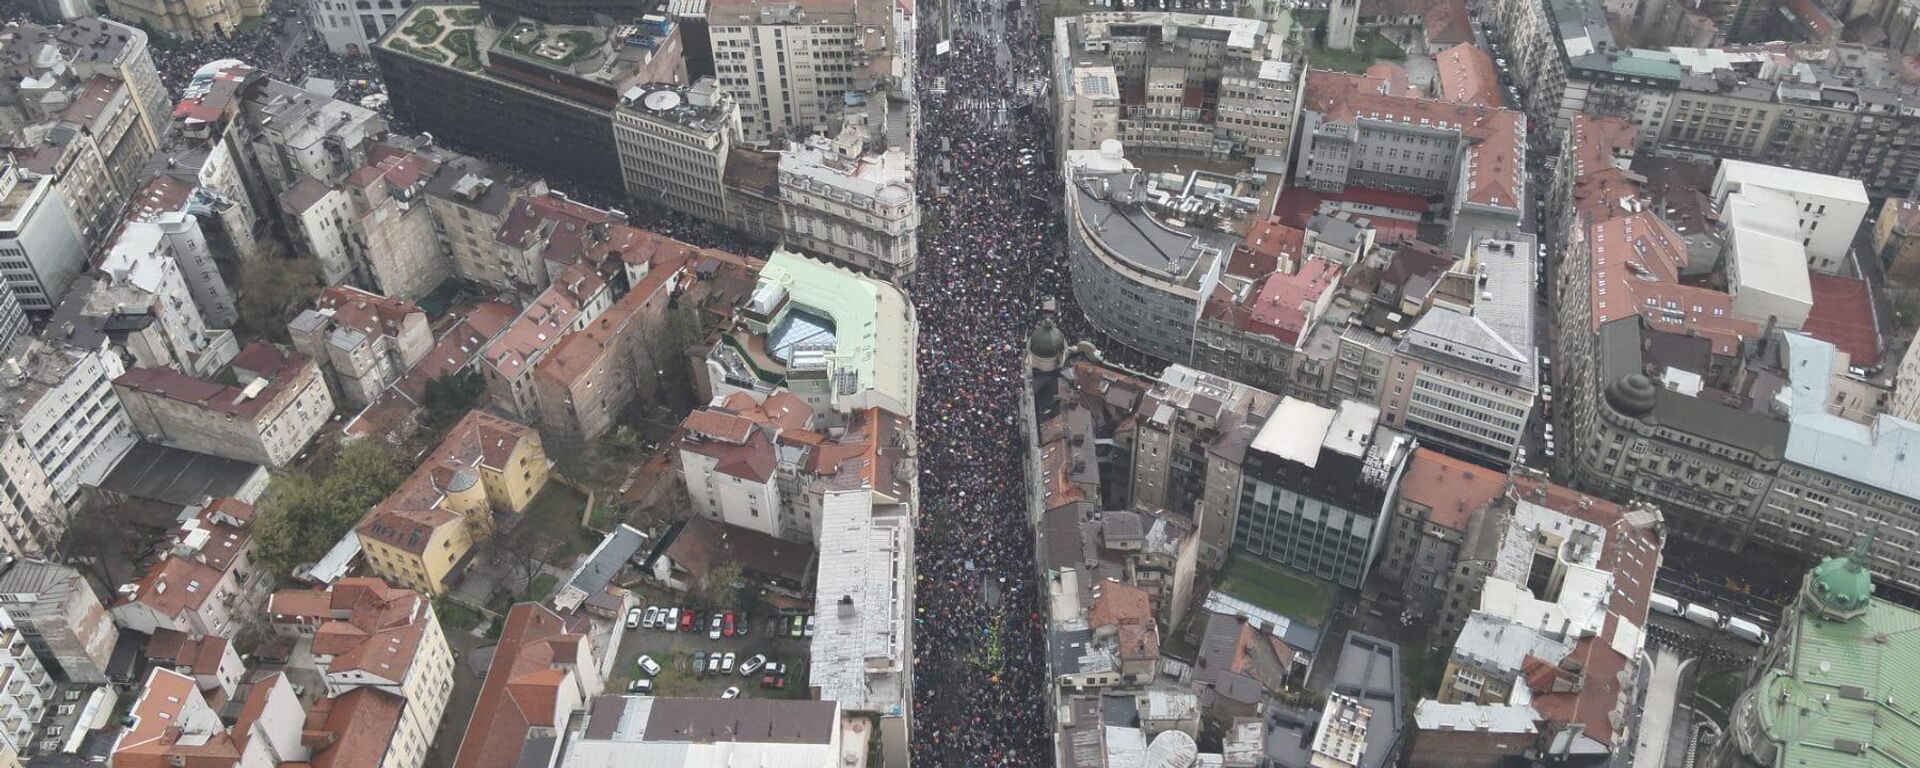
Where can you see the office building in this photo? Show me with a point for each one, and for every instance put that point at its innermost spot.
(1317, 490)
(674, 140)
(542, 92)
(66, 422)
(849, 205)
(1143, 79)
(41, 249)
(1141, 276)
(1828, 210)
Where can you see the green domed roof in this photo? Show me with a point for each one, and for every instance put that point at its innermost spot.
(1840, 587)
(1048, 341)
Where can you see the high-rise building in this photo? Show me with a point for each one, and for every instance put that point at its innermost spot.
(799, 67)
(674, 141)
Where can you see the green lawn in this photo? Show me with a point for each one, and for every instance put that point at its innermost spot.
(556, 510)
(455, 617)
(1368, 48)
(1275, 589)
(1422, 669)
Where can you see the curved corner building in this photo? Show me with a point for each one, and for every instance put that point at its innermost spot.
(1140, 279)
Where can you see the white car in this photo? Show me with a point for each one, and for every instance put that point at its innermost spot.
(647, 663)
(726, 663)
(671, 621)
(633, 618)
(732, 692)
(713, 630)
(651, 619)
(752, 664)
(641, 686)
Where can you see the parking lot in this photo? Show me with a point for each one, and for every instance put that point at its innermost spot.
(675, 652)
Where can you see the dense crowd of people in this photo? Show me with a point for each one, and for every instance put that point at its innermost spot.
(988, 260)
(283, 46)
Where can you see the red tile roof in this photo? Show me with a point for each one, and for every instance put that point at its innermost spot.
(279, 367)
(1842, 315)
(521, 688)
(1495, 156)
(1283, 302)
(353, 730)
(1466, 76)
(1632, 555)
(181, 583)
(1269, 243)
(407, 517)
(365, 311)
(364, 624)
(1637, 261)
(154, 739)
(569, 360)
(1449, 488)
(544, 322)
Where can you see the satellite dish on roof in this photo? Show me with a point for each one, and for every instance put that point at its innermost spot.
(661, 101)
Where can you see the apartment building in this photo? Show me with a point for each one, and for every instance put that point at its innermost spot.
(67, 424)
(362, 341)
(1554, 587)
(268, 420)
(470, 199)
(674, 140)
(23, 702)
(585, 383)
(799, 68)
(172, 723)
(62, 619)
(420, 534)
(567, 306)
(796, 733)
(1192, 427)
(543, 674)
(367, 634)
(140, 301)
(206, 581)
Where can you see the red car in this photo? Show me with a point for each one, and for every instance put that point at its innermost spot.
(686, 621)
(775, 682)
(726, 628)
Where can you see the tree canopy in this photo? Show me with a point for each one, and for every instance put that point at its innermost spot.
(303, 516)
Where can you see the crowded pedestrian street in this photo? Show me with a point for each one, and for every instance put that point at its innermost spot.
(989, 258)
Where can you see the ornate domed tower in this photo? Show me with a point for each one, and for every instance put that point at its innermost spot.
(1839, 588)
(1047, 348)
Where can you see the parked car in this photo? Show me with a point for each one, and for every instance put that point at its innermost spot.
(633, 618)
(713, 629)
(775, 668)
(775, 682)
(726, 627)
(732, 692)
(713, 663)
(752, 664)
(651, 618)
(809, 625)
(726, 663)
(686, 620)
(670, 619)
(699, 662)
(641, 686)
(647, 663)
(745, 626)
(796, 626)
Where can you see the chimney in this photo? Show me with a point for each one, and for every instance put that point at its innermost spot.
(846, 607)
